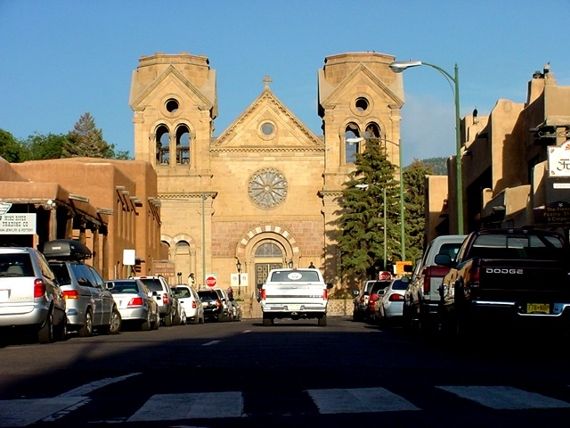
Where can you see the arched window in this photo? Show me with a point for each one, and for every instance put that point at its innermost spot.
(372, 131)
(268, 249)
(162, 145)
(182, 145)
(351, 147)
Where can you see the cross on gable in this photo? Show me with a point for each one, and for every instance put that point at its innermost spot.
(266, 81)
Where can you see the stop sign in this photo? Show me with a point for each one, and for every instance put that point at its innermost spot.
(211, 281)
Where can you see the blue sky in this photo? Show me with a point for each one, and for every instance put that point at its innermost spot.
(62, 58)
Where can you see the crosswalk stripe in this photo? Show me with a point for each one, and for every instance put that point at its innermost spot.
(206, 405)
(358, 400)
(505, 397)
(23, 412)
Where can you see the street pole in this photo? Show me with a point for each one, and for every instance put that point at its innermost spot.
(385, 232)
(398, 67)
(402, 227)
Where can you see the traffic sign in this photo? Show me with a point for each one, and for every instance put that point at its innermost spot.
(211, 281)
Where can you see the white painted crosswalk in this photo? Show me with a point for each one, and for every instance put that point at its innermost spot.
(233, 404)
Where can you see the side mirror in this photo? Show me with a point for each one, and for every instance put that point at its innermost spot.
(109, 285)
(329, 285)
(443, 260)
(355, 293)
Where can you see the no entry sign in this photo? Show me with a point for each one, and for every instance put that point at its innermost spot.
(211, 281)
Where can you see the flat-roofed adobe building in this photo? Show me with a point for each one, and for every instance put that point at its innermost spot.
(516, 161)
(264, 193)
(110, 205)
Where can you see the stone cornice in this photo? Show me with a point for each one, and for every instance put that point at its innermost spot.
(265, 149)
(186, 195)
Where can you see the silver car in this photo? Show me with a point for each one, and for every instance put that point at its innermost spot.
(30, 295)
(90, 306)
(135, 302)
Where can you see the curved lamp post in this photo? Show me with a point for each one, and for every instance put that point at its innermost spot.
(402, 228)
(398, 67)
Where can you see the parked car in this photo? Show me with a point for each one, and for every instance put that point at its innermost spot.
(162, 293)
(214, 309)
(421, 299)
(89, 305)
(135, 303)
(372, 312)
(190, 302)
(392, 302)
(360, 301)
(30, 296)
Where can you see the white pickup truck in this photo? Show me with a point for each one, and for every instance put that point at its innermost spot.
(294, 294)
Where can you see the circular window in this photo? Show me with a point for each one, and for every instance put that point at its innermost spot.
(267, 188)
(361, 104)
(172, 105)
(267, 128)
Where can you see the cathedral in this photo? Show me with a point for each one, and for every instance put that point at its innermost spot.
(264, 192)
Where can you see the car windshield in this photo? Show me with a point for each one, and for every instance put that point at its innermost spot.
(181, 292)
(123, 287)
(399, 284)
(295, 276)
(379, 286)
(208, 295)
(16, 265)
(153, 284)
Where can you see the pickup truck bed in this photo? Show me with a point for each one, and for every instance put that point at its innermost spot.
(505, 278)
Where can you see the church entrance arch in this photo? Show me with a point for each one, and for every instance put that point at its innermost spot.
(266, 248)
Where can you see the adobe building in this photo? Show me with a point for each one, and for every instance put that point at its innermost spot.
(264, 193)
(516, 161)
(110, 205)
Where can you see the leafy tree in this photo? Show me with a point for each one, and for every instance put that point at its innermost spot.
(414, 184)
(370, 190)
(87, 140)
(10, 148)
(46, 146)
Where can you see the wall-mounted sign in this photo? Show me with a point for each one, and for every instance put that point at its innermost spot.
(559, 160)
(18, 224)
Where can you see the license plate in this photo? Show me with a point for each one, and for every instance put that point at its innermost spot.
(537, 308)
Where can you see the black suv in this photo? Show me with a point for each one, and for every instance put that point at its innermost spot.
(214, 309)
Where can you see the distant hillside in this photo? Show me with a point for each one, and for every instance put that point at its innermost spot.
(438, 166)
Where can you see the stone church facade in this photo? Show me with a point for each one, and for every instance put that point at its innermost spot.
(263, 193)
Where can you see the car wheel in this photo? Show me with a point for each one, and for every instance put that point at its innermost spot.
(267, 320)
(322, 321)
(147, 324)
(46, 333)
(61, 332)
(168, 319)
(86, 329)
(156, 322)
(115, 324)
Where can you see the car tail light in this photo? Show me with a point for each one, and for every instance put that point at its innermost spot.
(325, 294)
(263, 294)
(71, 294)
(165, 299)
(39, 288)
(136, 301)
(431, 272)
(373, 297)
(396, 297)
(475, 274)
(194, 305)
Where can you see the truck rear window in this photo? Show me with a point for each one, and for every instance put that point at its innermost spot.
(507, 246)
(295, 276)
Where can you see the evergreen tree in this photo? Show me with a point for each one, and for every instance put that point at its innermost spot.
(371, 187)
(87, 140)
(414, 184)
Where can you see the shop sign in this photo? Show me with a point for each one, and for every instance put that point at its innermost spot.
(18, 224)
(559, 160)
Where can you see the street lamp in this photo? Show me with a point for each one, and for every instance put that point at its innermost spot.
(402, 228)
(398, 67)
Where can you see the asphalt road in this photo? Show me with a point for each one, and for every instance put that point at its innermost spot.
(238, 374)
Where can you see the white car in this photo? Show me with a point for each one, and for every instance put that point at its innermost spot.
(190, 303)
(392, 305)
